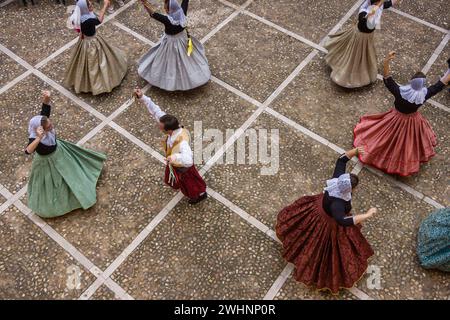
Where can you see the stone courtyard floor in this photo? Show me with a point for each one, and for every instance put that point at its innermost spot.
(142, 240)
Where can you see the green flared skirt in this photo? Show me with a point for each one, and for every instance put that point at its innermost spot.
(64, 180)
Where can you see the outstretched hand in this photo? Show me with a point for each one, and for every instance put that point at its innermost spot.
(360, 151)
(371, 212)
(390, 56)
(46, 96)
(138, 93)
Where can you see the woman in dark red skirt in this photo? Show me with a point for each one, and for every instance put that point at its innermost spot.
(320, 236)
(399, 140)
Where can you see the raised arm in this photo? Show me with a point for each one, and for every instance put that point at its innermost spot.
(46, 108)
(438, 86)
(148, 7)
(338, 213)
(386, 65)
(33, 143)
(184, 6)
(101, 15)
(341, 163)
(152, 107)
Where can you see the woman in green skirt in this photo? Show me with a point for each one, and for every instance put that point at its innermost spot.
(63, 175)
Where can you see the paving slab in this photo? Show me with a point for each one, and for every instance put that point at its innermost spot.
(392, 234)
(293, 290)
(32, 266)
(206, 253)
(430, 13)
(312, 21)
(253, 57)
(33, 33)
(9, 69)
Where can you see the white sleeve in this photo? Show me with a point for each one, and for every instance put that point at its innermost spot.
(152, 107)
(185, 157)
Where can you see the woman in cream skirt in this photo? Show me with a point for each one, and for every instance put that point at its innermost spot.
(351, 53)
(95, 66)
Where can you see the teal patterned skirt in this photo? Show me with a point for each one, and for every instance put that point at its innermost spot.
(64, 180)
(433, 247)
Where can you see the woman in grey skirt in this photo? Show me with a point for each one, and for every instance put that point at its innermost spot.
(351, 53)
(95, 66)
(178, 61)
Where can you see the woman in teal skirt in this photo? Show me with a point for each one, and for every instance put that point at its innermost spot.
(433, 247)
(63, 175)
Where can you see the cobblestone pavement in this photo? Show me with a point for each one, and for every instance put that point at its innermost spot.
(142, 240)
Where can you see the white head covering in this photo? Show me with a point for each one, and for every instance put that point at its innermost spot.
(373, 21)
(340, 187)
(176, 14)
(49, 138)
(415, 91)
(73, 22)
(84, 11)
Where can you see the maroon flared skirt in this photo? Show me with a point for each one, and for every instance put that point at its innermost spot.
(395, 142)
(326, 255)
(188, 181)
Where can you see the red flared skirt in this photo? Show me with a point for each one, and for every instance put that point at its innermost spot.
(395, 142)
(326, 255)
(188, 181)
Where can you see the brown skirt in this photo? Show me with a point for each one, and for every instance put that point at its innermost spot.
(352, 58)
(326, 255)
(95, 66)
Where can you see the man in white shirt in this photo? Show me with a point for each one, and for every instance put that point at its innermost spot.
(181, 172)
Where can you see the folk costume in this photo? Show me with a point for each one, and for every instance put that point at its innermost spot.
(169, 65)
(95, 66)
(399, 140)
(351, 53)
(182, 174)
(320, 237)
(433, 241)
(63, 175)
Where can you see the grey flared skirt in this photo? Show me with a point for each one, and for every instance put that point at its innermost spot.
(352, 58)
(167, 65)
(95, 66)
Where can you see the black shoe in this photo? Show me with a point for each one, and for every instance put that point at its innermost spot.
(199, 199)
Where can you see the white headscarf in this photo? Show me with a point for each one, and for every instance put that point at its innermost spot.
(373, 21)
(73, 22)
(49, 138)
(176, 14)
(85, 14)
(415, 91)
(340, 187)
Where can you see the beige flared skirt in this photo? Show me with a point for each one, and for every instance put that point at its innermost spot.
(352, 57)
(95, 66)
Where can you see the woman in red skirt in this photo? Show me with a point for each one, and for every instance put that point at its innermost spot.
(320, 236)
(399, 140)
